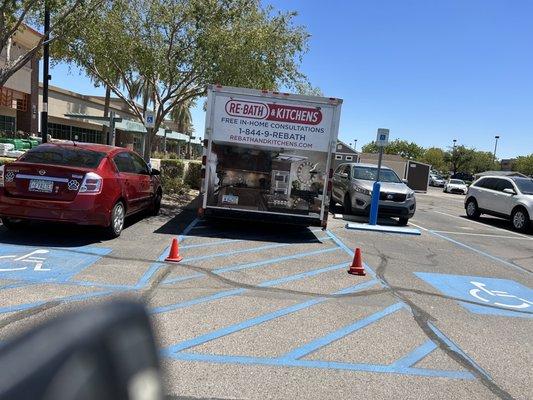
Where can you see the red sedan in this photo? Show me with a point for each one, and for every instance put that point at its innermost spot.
(81, 183)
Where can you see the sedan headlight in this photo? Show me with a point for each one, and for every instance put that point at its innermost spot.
(410, 195)
(362, 190)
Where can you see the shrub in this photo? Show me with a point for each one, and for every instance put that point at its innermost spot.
(193, 175)
(172, 168)
(173, 185)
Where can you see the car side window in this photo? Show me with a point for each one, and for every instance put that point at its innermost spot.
(504, 184)
(139, 165)
(492, 184)
(124, 163)
(339, 169)
(481, 183)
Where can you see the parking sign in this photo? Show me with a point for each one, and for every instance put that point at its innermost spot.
(382, 138)
(149, 118)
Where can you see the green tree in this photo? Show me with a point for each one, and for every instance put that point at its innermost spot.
(482, 161)
(524, 165)
(180, 46)
(409, 150)
(18, 15)
(459, 159)
(435, 156)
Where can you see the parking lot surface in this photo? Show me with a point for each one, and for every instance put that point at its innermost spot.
(256, 311)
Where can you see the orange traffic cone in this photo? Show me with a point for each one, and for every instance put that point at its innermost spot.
(174, 255)
(357, 267)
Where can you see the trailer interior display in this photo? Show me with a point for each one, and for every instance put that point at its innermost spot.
(259, 179)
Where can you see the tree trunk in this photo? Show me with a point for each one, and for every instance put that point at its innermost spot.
(105, 139)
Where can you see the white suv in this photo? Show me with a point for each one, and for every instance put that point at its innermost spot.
(505, 197)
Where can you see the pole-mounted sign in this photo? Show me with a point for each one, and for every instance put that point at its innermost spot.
(149, 119)
(382, 138)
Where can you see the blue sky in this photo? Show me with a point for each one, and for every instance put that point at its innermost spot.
(429, 70)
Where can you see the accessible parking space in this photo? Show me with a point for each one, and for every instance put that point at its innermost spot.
(259, 311)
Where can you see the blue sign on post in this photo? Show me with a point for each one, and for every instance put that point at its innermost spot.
(491, 296)
(46, 263)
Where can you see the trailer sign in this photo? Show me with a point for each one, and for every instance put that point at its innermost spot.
(272, 123)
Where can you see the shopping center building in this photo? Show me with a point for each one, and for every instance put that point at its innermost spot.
(69, 118)
(18, 97)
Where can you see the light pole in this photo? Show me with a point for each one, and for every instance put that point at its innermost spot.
(495, 147)
(46, 73)
(355, 144)
(453, 157)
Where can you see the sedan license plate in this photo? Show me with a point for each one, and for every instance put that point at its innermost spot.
(230, 199)
(39, 185)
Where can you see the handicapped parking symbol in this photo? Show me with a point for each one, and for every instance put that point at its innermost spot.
(27, 258)
(481, 287)
(484, 295)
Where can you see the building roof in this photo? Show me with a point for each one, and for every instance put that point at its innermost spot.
(499, 173)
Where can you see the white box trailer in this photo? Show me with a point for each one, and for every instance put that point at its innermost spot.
(267, 155)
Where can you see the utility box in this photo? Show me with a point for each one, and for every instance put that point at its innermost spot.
(417, 175)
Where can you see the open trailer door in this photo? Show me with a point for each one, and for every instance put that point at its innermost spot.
(268, 155)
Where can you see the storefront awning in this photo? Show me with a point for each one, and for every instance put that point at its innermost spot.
(135, 127)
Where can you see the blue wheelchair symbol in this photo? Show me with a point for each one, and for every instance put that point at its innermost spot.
(507, 298)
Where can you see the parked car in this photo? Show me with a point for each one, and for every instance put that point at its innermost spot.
(81, 183)
(506, 197)
(436, 180)
(464, 176)
(455, 186)
(352, 187)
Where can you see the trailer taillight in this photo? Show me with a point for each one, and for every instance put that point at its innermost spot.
(204, 160)
(330, 173)
(330, 186)
(202, 173)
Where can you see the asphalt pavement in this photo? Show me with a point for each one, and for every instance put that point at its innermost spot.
(256, 311)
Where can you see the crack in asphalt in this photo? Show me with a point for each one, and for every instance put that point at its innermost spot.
(19, 316)
(422, 318)
(367, 292)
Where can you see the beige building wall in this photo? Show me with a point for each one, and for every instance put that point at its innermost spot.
(392, 161)
(61, 102)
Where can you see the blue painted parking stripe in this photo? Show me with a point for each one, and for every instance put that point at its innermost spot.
(279, 362)
(78, 297)
(260, 319)
(239, 267)
(458, 350)
(216, 243)
(340, 333)
(256, 264)
(248, 250)
(348, 251)
(234, 292)
(416, 355)
(232, 252)
(468, 247)
(494, 258)
(198, 300)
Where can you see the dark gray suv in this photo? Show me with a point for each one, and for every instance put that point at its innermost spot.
(352, 187)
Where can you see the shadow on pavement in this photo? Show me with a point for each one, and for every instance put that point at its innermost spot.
(389, 221)
(497, 223)
(60, 234)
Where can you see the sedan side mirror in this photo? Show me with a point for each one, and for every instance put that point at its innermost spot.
(509, 191)
(343, 175)
(405, 181)
(155, 172)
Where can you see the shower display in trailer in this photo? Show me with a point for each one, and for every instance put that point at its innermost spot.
(267, 155)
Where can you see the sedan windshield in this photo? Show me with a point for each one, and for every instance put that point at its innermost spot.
(67, 156)
(524, 185)
(370, 174)
(457, 182)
